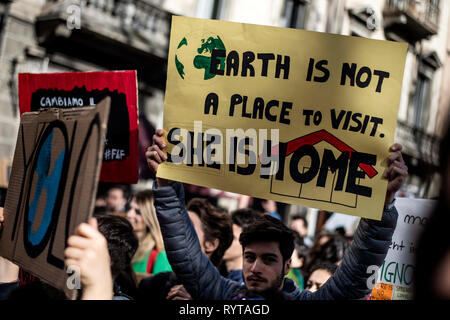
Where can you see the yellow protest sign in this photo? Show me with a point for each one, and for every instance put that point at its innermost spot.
(300, 117)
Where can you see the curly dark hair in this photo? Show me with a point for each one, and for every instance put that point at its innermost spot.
(244, 217)
(327, 266)
(268, 228)
(216, 225)
(122, 242)
(331, 251)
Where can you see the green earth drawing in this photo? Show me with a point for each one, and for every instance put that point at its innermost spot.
(203, 59)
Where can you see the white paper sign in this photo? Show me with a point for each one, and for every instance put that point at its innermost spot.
(397, 272)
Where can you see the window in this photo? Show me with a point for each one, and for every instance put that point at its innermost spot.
(422, 101)
(295, 13)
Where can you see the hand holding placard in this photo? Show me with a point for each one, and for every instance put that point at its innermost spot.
(155, 155)
(88, 250)
(396, 172)
(248, 110)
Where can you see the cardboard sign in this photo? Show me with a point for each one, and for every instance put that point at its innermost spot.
(5, 171)
(77, 89)
(52, 186)
(396, 275)
(294, 116)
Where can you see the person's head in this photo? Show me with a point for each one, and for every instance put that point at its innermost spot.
(267, 246)
(330, 247)
(334, 249)
(322, 237)
(100, 201)
(122, 242)
(117, 198)
(320, 273)
(142, 216)
(213, 228)
(300, 225)
(299, 255)
(241, 218)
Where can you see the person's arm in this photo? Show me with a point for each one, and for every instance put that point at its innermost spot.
(370, 243)
(88, 251)
(195, 271)
(369, 247)
(9, 272)
(178, 292)
(9, 277)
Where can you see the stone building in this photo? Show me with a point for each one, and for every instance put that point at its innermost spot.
(423, 24)
(80, 35)
(85, 35)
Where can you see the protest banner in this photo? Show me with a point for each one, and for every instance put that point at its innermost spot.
(77, 89)
(395, 278)
(52, 187)
(295, 116)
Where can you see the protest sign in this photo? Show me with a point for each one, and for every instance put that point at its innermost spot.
(290, 115)
(52, 186)
(396, 275)
(77, 89)
(5, 170)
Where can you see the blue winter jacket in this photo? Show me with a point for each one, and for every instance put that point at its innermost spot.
(204, 282)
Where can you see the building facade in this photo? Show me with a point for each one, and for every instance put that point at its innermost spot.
(79, 35)
(87, 35)
(423, 24)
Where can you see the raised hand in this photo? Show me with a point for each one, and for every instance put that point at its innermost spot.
(396, 172)
(88, 250)
(155, 155)
(9, 272)
(178, 292)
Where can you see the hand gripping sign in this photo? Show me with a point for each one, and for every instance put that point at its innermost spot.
(295, 116)
(52, 186)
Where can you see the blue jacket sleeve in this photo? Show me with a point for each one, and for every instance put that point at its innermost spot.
(369, 247)
(195, 271)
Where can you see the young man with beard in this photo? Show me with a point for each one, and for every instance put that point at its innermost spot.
(232, 258)
(268, 246)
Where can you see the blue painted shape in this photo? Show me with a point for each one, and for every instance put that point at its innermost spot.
(51, 184)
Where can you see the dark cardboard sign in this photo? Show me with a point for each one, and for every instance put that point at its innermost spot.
(52, 187)
(76, 89)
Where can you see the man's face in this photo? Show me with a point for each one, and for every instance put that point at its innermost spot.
(235, 250)
(299, 226)
(115, 200)
(263, 266)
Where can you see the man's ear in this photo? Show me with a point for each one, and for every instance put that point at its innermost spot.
(287, 266)
(211, 245)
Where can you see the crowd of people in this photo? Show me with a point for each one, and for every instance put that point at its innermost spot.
(152, 245)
